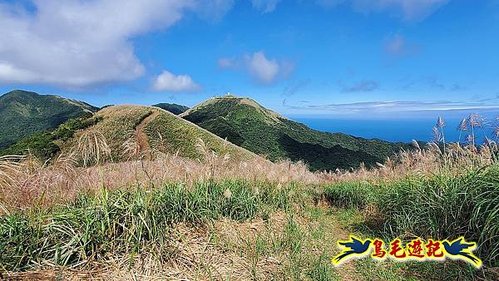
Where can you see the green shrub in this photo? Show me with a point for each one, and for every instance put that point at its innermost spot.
(40, 145)
(44, 145)
(67, 130)
(349, 194)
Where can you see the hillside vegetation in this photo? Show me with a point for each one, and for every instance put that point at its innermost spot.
(120, 133)
(138, 193)
(247, 124)
(133, 132)
(179, 218)
(172, 107)
(24, 113)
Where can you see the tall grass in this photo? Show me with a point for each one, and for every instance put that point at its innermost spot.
(440, 206)
(29, 183)
(454, 160)
(124, 222)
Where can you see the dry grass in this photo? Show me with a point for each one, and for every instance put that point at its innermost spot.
(282, 245)
(92, 148)
(430, 160)
(26, 182)
(198, 253)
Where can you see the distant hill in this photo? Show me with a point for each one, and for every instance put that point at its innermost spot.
(172, 107)
(247, 124)
(48, 124)
(24, 113)
(132, 130)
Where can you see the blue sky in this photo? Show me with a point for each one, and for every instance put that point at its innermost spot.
(346, 58)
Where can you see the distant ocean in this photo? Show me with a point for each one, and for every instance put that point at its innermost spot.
(403, 130)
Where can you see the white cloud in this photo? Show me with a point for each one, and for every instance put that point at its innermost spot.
(399, 106)
(226, 63)
(410, 9)
(265, 6)
(398, 46)
(168, 81)
(80, 43)
(262, 69)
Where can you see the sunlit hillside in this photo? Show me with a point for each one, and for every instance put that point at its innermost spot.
(186, 140)
(164, 215)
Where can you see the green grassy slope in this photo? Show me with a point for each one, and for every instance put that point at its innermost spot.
(25, 113)
(246, 123)
(156, 130)
(172, 107)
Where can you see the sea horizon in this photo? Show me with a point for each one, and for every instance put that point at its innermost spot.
(397, 130)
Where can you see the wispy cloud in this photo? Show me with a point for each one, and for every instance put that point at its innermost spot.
(330, 3)
(262, 69)
(294, 87)
(361, 86)
(431, 82)
(265, 6)
(170, 82)
(398, 46)
(398, 106)
(409, 10)
(227, 63)
(488, 99)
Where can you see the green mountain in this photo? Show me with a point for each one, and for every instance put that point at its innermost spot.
(133, 131)
(127, 132)
(49, 124)
(24, 113)
(249, 125)
(172, 107)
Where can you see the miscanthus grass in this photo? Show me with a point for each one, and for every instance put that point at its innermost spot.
(440, 206)
(125, 222)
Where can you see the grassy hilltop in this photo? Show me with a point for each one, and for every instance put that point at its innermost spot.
(119, 133)
(139, 131)
(246, 123)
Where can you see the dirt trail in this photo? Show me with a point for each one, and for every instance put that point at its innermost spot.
(347, 270)
(141, 136)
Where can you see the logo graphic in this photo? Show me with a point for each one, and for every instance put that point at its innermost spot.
(417, 249)
(354, 247)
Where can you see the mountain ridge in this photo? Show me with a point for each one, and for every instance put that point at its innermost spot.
(248, 124)
(172, 107)
(23, 113)
(134, 131)
(242, 121)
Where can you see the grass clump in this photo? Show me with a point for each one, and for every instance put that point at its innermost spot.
(447, 207)
(120, 222)
(349, 194)
(439, 206)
